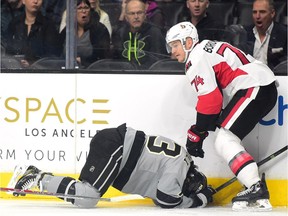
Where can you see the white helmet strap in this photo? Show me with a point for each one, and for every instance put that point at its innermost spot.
(187, 51)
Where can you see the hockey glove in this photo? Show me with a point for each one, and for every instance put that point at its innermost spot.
(206, 196)
(195, 140)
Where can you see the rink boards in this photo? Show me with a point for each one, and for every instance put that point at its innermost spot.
(48, 120)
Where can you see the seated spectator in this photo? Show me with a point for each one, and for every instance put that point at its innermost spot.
(104, 17)
(9, 10)
(93, 40)
(136, 40)
(196, 12)
(32, 35)
(267, 40)
(154, 14)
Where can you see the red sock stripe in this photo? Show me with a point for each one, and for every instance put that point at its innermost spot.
(240, 160)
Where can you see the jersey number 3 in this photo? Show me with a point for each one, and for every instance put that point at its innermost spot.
(157, 145)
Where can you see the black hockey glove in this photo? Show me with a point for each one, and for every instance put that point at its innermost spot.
(203, 197)
(206, 196)
(195, 140)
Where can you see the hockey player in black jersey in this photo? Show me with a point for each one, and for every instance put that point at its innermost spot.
(134, 163)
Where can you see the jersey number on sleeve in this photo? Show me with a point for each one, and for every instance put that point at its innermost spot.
(157, 145)
(237, 52)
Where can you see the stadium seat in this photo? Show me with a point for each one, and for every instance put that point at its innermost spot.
(167, 65)
(171, 12)
(284, 20)
(112, 64)
(281, 69)
(281, 10)
(49, 63)
(3, 50)
(10, 63)
(222, 12)
(236, 35)
(244, 13)
(113, 9)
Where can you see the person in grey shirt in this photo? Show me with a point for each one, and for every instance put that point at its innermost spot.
(134, 163)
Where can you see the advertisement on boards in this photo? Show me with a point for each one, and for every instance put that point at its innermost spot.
(49, 119)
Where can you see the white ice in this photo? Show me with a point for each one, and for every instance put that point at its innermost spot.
(9, 207)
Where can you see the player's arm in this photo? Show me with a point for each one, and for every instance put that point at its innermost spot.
(183, 190)
(208, 109)
(209, 105)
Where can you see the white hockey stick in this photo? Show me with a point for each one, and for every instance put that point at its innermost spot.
(17, 192)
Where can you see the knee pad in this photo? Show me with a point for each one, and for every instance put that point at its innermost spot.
(67, 185)
(227, 144)
(85, 189)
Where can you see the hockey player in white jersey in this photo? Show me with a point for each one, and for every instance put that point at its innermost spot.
(134, 163)
(234, 92)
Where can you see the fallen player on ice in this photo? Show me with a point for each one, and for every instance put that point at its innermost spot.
(132, 162)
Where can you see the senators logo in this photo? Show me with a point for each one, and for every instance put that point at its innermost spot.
(197, 81)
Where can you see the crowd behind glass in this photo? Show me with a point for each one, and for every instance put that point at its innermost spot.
(112, 34)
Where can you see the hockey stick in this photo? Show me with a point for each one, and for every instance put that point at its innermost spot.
(259, 164)
(70, 196)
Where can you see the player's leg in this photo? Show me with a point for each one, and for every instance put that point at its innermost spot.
(104, 158)
(241, 163)
(98, 173)
(35, 178)
(237, 120)
(245, 169)
(68, 185)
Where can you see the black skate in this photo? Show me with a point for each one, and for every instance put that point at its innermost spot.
(31, 179)
(254, 198)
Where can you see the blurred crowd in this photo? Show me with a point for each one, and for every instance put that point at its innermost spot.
(133, 31)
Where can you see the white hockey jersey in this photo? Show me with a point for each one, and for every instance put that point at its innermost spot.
(217, 70)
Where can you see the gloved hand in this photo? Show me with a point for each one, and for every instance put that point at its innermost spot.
(206, 196)
(195, 140)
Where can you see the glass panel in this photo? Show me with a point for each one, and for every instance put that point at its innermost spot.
(46, 43)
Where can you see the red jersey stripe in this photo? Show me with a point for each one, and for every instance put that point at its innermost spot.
(225, 75)
(210, 103)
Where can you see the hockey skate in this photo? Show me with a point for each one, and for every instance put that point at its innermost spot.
(30, 179)
(255, 198)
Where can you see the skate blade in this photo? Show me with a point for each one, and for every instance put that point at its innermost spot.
(259, 205)
(19, 170)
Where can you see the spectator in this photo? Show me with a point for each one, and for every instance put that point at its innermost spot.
(196, 13)
(104, 17)
(32, 35)
(93, 40)
(136, 40)
(154, 14)
(134, 163)
(267, 39)
(9, 10)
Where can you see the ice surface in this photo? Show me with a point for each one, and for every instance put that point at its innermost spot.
(12, 207)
